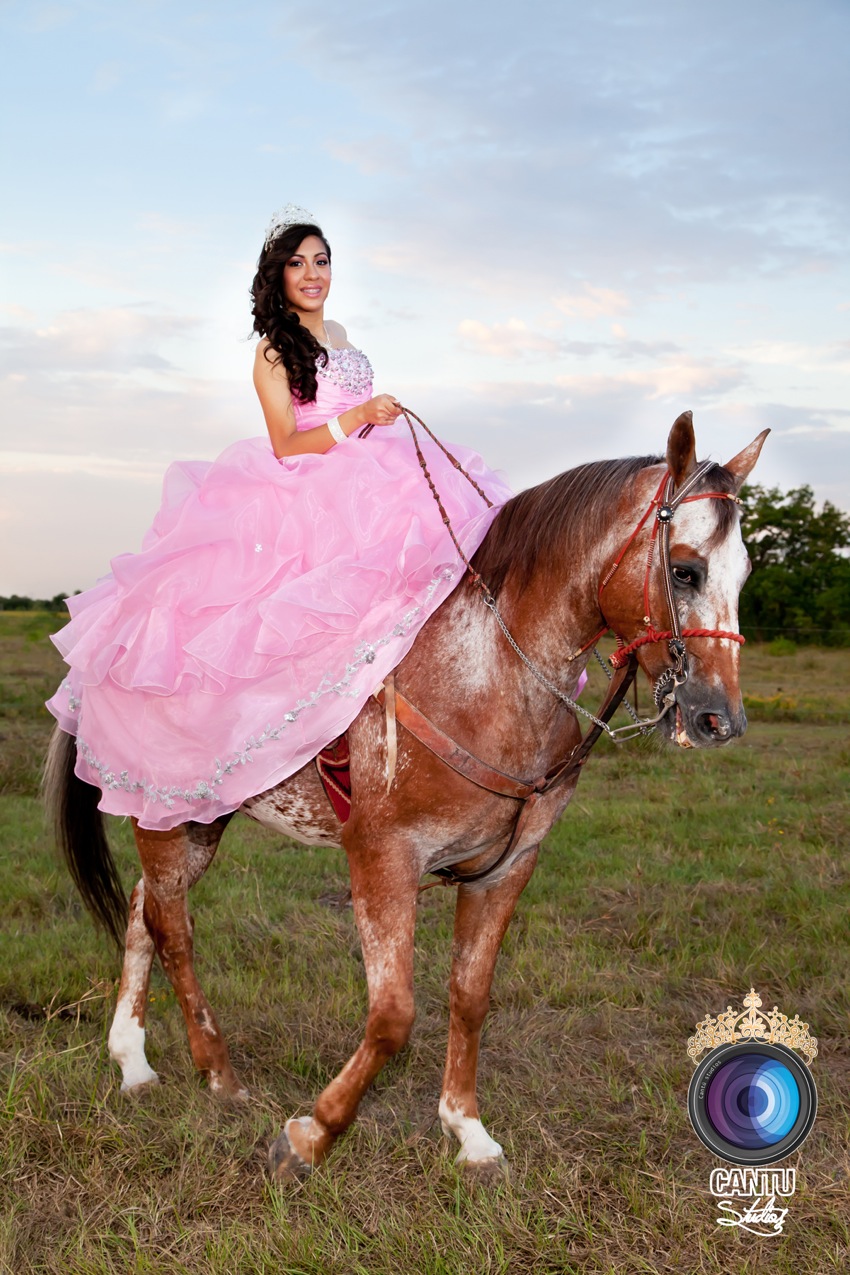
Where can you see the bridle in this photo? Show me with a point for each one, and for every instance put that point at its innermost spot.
(664, 503)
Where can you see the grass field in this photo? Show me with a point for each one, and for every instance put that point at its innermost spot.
(675, 881)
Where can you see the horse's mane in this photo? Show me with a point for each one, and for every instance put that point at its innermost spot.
(576, 505)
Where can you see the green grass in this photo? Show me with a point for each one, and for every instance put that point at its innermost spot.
(674, 882)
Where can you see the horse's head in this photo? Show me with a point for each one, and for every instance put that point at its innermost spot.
(674, 596)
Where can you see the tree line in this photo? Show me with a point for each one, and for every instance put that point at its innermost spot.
(14, 602)
(800, 584)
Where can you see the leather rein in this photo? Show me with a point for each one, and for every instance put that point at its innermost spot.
(624, 661)
(465, 763)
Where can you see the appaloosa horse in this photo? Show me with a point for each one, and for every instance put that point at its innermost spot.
(651, 550)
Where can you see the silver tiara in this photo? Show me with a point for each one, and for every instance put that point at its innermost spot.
(289, 215)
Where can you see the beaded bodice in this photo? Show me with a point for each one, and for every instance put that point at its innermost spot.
(346, 379)
(348, 368)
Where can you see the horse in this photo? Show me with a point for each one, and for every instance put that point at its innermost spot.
(460, 765)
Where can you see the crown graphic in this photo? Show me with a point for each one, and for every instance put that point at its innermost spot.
(753, 1024)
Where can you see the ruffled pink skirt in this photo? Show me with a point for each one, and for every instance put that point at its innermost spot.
(270, 598)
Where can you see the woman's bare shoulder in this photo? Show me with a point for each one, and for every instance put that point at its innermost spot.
(268, 367)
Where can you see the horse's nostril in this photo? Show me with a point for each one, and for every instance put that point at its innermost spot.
(714, 725)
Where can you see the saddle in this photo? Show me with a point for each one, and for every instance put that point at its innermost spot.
(334, 766)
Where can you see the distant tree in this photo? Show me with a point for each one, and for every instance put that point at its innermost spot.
(17, 603)
(800, 583)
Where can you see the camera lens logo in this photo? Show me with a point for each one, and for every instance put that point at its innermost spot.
(752, 1103)
(751, 1100)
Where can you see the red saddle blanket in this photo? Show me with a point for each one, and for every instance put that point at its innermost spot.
(333, 765)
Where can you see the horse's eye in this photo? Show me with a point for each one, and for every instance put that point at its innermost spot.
(684, 575)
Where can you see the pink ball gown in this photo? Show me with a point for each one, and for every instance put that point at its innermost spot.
(269, 599)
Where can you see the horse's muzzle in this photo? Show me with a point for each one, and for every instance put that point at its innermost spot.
(703, 726)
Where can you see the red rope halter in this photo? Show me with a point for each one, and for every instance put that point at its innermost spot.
(620, 657)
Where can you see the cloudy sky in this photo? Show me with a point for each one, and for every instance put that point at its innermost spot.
(555, 226)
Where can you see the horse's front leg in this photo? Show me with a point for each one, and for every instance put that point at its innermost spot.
(481, 919)
(384, 885)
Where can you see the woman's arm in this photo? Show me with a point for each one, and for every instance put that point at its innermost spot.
(272, 385)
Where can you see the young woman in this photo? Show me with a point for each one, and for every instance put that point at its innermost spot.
(278, 585)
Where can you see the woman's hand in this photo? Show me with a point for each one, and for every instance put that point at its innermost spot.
(381, 410)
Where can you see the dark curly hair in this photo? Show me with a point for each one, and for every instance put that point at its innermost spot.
(290, 343)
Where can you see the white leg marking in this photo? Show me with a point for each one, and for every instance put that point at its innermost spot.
(127, 1047)
(475, 1142)
(127, 1035)
(308, 1125)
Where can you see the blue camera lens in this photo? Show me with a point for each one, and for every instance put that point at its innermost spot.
(753, 1101)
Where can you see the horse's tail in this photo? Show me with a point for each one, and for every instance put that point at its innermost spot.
(79, 829)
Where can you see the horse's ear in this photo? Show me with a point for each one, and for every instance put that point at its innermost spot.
(742, 464)
(681, 448)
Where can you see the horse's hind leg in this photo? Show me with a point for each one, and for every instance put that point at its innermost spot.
(481, 919)
(384, 891)
(127, 1033)
(167, 859)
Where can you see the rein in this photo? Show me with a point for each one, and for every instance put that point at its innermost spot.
(665, 502)
(490, 601)
(528, 792)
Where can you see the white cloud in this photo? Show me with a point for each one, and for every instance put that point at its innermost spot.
(510, 340)
(21, 312)
(111, 414)
(185, 106)
(118, 339)
(515, 341)
(43, 18)
(379, 153)
(834, 356)
(20, 462)
(593, 303)
(683, 378)
(821, 426)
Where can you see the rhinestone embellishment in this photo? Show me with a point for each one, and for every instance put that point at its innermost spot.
(349, 369)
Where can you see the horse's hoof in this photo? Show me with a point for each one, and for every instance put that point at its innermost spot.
(239, 1097)
(139, 1082)
(483, 1175)
(285, 1165)
(227, 1087)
